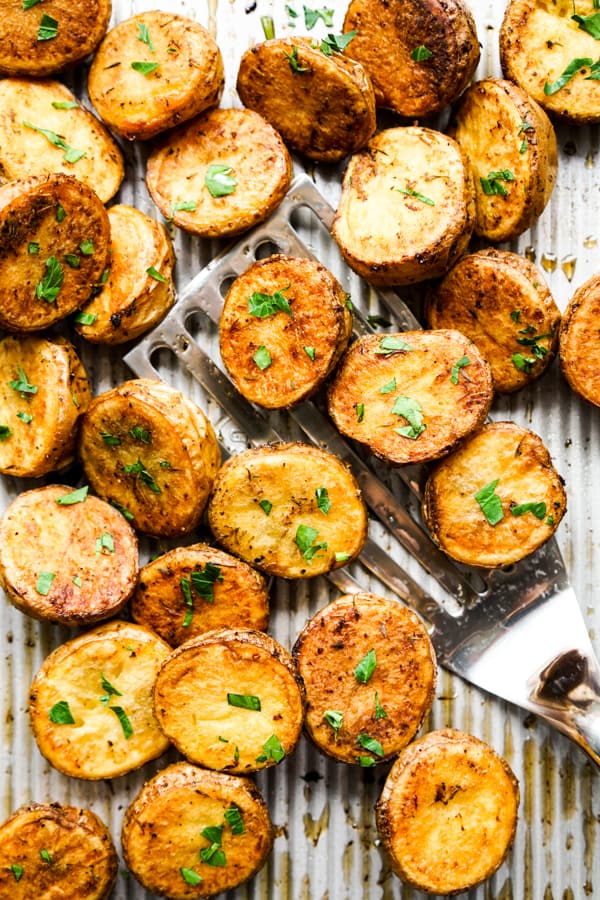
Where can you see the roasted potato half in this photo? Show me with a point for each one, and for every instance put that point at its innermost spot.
(153, 71)
(369, 670)
(48, 850)
(182, 818)
(190, 590)
(496, 499)
(220, 174)
(231, 699)
(548, 48)
(502, 303)
(412, 396)
(40, 404)
(511, 147)
(288, 509)
(44, 129)
(284, 325)
(65, 556)
(406, 212)
(447, 814)
(419, 54)
(152, 453)
(320, 101)
(90, 704)
(579, 341)
(137, 289)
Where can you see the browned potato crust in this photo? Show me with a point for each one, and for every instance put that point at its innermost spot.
(90, 704)
(26, 151)
(230, 699)
(503, 132)
(323, 106)
(79, 860)
(138, 291)
(162, 832)
(300, 347)
(250, 152)
(447, 814)
(538, 41)
(412, 396)
(42, 419)
(579, 341)
(44, 273)
(388, 33)
(66, 560)
(190, 590)
(152, 452)
(79, 29)
(502, 303)
(346, 711)
(187, 77)
(516, 460)
(407, 207)
(289, 509)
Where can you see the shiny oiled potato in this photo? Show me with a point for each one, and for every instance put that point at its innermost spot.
(579, 341)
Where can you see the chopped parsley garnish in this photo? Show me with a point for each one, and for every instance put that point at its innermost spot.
(306, 541)
(262, 358)
(292, 59)
(268, 27)
(490, 503)
(213, 855)
(537, 508)
(144, 36)
(410, 193)
(336, 43)
(189, 876)
(60, 212)
(366, 762)
(412, 411)
(370, 744)
(219, 181)
(360, 411)
(523, 363)
(61, 713)
(589, 24)
(110, 689)
(420, 54)
(323, 501)
(389, 345)
(5, 432)
(72, 260)
(77, 496)
(366, 667)
(571, 70)
(266, 506)
(64, 104)
(263, 305)
(312, 16)
(105, 542)
(33, 247)
(44, 582)
(273, 750)
(515, 315)
(341, 556)
(124, 720)
(184, 206)
(189, 601)
(492, 184)
(335, 719)
(465, 361)
(380, 712)
(17, 870)
(550, 520)
(21, 384)
(389, 387)
(154, 273)
(203, 581)
(111, 439)
(537, 350)
(124, 512)
(48, 28)
(45, 855)
(48, 288)
(140, 434)
(144, 475)
(77, 581)
(244, 701)
(27, 4)
(233, 817)
(24, 417)
(85, 318)
(71, 155)
(310, 352)
(144, 68)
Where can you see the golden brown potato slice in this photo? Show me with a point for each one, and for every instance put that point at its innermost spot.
(412, 396)
(496, 499)
(65, 556)
(42, 40)
(48, 850)
(284, 325)
(42, 395)
(138, 291)
(448, 812)
(182, 818)
(190, 590)
(220, 174)
(369, 670)
(43, 129)
(55, 247)
(288, 509)
(502, 303)
(407, 207)
(547, 47)
(90, 704)
(579, 341)
(511, 146)
(419, 54)
(153, 71)
(230, 699)
(320, 101)
(152, 453)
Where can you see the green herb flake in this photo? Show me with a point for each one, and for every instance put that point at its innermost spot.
(33, 247)
(336, 43)
(380, 712)
(24, 417)
(291, 11)
(16, 869)
(266, 506)
(492, 184)
(44, 582)
(571, 70)
(306, 541)
(273, 749)
(48, 28)
(110, 439)
(109, 689)
(310, 352)
(85, 318)
(71, 155)
(515, 315)
(537, 508)
(22, 386)
(123, 510)
(60, 713)
(420, 54)
(523, 363)
(64, 104)
(140, 434)
(233, 817)
(186, 587)
(184, 206)
(292, 59)
(74, 400)
(72, 260)
(144, 35)
(490, 503)
(268, 27)
(189, 876)
(335, 719)
(366, 667)
(77, 496)
(389, 387)
(5, 432)
(124, 720)
(389, 345)
(77, 581)
(244, 701)
(154, 273)
(219, 181)
(87, 247)
(105, 543)
(410, 193)
(144, 68)
(48, 288)
(360, 411)
(594, 72)
(412, 411)
(138, 469)
(213, 834)
(263, 305)
(45, 855)
(262, 358)
(378, 322)
(203, 581)
(213, 855)
(323, 501)
(370, 744)
(461, 364)
(366, 762)
(312, 16)
(550, 520)
(589, 24)
(27, 4)
(104, 276)
(341, 556)
(60, 210)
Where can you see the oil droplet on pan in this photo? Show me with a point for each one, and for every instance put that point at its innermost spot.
(589, 161)
(549, 261)
(590, 241)
(568, 266)
(530, 253)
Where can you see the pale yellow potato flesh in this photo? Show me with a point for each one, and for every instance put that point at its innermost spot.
(579, 341)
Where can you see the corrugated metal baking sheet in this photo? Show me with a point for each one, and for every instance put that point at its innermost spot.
(326, 846)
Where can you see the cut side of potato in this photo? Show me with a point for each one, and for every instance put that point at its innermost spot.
(406, 212)
(90, 704)
(288, 509)
(152, 453)
(138, 289)
(502, 303)
(153, 71)
(220, 174)
(51, 850)
(579, 341)
(496, 499)
(190, 590)
(447, 814)
(511, 147)
(412, 396)
(44, 129)
(191, 833)
(419, 54)
(320, 101)
(284, 325)
(369, 670)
